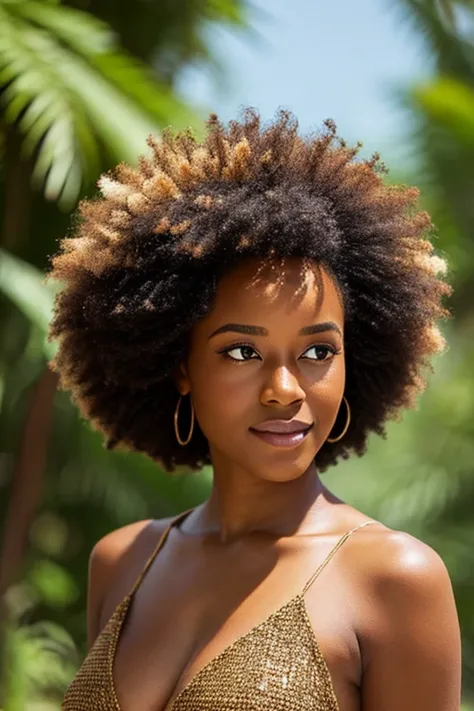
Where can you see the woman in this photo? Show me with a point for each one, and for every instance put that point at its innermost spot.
(261, 301)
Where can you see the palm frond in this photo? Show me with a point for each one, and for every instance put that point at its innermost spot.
(71, 92)
(95, 41)
(430, 21)
(23, 285)
(42, 660)
(46, 111)
(78, 30)
(444, 139)
(226, 11)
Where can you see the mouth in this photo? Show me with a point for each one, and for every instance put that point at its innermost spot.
(282, 433)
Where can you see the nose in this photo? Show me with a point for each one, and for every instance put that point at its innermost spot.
(282, 388)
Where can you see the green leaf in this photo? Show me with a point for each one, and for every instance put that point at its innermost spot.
(449, 103)
(73, 92)
(53, 583)
(140, 85)
(23, 284)
(226, 11)
(49, 107)
(39, 660)
(431, 20)
(78, 30)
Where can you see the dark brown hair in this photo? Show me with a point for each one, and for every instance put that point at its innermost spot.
(143, 261)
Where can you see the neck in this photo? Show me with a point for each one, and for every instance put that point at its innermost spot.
(240, 505)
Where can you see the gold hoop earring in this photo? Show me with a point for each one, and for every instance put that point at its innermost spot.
(336, 439)
(183, 442)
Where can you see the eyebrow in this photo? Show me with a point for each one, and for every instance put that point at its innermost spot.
(248, 330)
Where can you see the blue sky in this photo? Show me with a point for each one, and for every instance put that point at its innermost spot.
(342, 59)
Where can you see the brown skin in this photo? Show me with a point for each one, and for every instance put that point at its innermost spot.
(383, 610)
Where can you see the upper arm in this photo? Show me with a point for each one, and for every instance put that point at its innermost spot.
(411, 649)
(95, 592)
(109, 560)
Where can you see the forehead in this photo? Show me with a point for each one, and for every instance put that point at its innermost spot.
(272, 290)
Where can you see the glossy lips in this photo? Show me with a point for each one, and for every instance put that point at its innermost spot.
(282, 433)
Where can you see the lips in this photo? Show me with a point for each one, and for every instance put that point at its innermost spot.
(282, 426)
(282, 433)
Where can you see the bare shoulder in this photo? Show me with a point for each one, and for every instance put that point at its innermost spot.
(397, 561)
(406, 623)
(114, 563)
(393, 568)
(407, 586)
(118, 545)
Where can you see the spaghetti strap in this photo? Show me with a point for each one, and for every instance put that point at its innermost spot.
(161, 540)
(333, 552)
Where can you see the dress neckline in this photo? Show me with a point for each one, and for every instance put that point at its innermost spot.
(298, 599)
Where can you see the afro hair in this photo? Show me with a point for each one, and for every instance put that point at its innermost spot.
(143, 260)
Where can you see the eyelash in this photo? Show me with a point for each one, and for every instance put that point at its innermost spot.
(225, 352)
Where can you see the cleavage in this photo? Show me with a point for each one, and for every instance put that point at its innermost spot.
(182, 617)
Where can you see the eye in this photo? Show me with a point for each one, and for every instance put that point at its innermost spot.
(241, 353)
(319, 353)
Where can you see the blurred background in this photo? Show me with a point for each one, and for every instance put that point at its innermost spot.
(82, 83)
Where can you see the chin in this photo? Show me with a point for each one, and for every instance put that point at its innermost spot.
(275, 464)
(281, 469)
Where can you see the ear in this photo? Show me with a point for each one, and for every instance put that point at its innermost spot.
(181, 379)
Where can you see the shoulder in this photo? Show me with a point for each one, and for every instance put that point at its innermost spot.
(111, 549)
(114, 564)
(396, 562)
(406, 624)
(394, 566)
(403, 585)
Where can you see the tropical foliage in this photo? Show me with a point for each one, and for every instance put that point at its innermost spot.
(422, 479)
(79, 91)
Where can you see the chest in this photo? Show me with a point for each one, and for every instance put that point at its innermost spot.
(223, 627)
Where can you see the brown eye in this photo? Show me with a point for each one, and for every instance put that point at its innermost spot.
(241, 353)
(319, 353)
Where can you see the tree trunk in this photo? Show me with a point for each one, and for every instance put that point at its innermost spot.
(27, 477)
(26, 490)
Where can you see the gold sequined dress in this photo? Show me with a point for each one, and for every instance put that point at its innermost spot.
(276, 666)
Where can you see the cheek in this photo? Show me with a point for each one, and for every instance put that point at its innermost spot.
(325, 394)
(222, 394)
(331, 385)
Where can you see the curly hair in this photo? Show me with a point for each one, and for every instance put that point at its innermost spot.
(144, 259)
